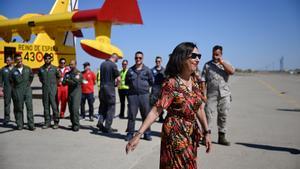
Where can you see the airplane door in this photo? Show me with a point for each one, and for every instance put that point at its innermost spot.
(9, 52)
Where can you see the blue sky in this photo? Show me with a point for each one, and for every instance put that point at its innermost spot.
(254, 33)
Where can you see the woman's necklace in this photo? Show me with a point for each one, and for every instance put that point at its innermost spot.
(186, 83)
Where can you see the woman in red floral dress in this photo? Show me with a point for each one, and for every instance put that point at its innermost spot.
(181, 97)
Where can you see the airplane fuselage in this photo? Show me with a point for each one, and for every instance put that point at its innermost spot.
(32, 54)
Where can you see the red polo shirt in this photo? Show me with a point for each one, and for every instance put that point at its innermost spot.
(89, 80)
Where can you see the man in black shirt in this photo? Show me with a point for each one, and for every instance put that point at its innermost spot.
(109, 78)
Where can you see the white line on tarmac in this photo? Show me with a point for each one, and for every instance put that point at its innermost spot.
(289, 100)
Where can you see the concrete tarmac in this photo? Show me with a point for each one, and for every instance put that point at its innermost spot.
(263, 127)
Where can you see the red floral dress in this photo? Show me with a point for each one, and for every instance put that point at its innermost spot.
(180, 133)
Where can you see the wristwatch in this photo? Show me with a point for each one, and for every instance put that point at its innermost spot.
(207, 132)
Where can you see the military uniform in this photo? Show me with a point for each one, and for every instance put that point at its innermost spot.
(48, 77)
(139, 82)
(74, 79)
(159, 77)
(218, 93)
(21, 81)
(7, 90)
(107, 96)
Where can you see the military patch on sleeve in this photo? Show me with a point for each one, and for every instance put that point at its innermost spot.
(16, 73)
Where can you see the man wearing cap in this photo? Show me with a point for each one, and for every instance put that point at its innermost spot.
(87, 87)
(7, 90)
(49, 76)
(21, 78)
(109, 78)
(62, 90)
(74, 79)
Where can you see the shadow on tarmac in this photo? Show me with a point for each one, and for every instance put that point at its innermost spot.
(272, 148)
(294, 110)
(95, 130)
(37, 96)
(36, 88)
(9, 126)
(12, 127)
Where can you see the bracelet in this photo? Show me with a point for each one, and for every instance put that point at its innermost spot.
(207, 132)
(138, 133)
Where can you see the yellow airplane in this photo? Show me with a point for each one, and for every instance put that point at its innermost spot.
(53, 31)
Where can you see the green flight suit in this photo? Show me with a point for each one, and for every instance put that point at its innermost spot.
(48, 77)
(22, 93)
(74, 79)
(7, 91)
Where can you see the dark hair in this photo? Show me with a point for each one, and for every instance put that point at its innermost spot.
(158, 57)
(138, 52)
(114, 55)
(177, 58)
(125, 61)
(46, 55)
(218, 47)
(61, 59)
(17, 55)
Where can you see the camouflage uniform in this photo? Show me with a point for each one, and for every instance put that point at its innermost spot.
(218, 93)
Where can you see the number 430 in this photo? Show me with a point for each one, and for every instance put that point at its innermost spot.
(29, 56)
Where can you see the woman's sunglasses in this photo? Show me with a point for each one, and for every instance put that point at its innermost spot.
(195, 55)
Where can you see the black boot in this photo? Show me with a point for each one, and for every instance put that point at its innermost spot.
(222, 140)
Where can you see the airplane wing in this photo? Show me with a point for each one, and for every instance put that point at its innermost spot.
(53, 26)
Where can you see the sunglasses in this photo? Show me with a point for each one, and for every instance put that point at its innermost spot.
(138, 58)
(195, 55)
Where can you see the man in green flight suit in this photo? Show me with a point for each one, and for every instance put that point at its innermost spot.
(74, 79)
(5, 85)
(48, 75)
(21, 78)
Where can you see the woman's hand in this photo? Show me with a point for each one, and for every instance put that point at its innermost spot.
(207, 141)
(132, 144)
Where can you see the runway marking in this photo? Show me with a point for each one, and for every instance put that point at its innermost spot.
(289, 100)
